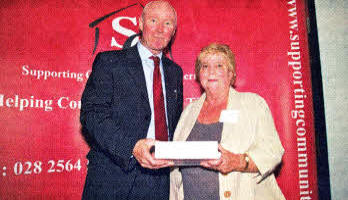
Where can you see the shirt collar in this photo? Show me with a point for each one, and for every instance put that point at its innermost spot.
(145, 53)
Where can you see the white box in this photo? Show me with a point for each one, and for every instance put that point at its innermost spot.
(182, 150)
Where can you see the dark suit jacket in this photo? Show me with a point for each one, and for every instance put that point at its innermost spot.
(115, 114)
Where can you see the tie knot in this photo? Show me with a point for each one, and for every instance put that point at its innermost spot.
(155, 59)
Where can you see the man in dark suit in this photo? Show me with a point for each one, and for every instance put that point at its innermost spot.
(122, 108)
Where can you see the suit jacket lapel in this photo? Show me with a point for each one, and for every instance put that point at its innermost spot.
(170, 86)
(136, 71)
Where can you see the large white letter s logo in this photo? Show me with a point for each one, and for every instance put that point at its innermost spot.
(122, 30)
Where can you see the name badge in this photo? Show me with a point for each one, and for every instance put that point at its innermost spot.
(229, 116)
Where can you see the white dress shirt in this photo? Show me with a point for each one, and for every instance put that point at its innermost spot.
(148, 66)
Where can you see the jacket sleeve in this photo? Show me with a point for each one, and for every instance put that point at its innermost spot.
(266, 150)
(104, 132)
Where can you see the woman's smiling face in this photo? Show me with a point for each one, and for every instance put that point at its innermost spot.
(214, 73)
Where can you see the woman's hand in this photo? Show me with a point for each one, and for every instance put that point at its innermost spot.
(227, 162)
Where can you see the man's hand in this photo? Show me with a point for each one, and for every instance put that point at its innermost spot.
(142, 153)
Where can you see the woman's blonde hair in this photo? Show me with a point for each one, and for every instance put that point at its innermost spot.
(215, 48)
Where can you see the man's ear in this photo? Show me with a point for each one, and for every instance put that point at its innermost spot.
(174, 32)
(141, 25)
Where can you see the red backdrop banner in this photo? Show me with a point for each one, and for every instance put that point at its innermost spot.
(47, 49)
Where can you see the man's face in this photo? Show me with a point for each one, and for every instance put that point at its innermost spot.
(158, 26)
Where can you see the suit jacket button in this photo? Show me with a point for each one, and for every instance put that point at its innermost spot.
(227, 194)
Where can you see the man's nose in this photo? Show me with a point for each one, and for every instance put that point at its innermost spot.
(160, 28)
